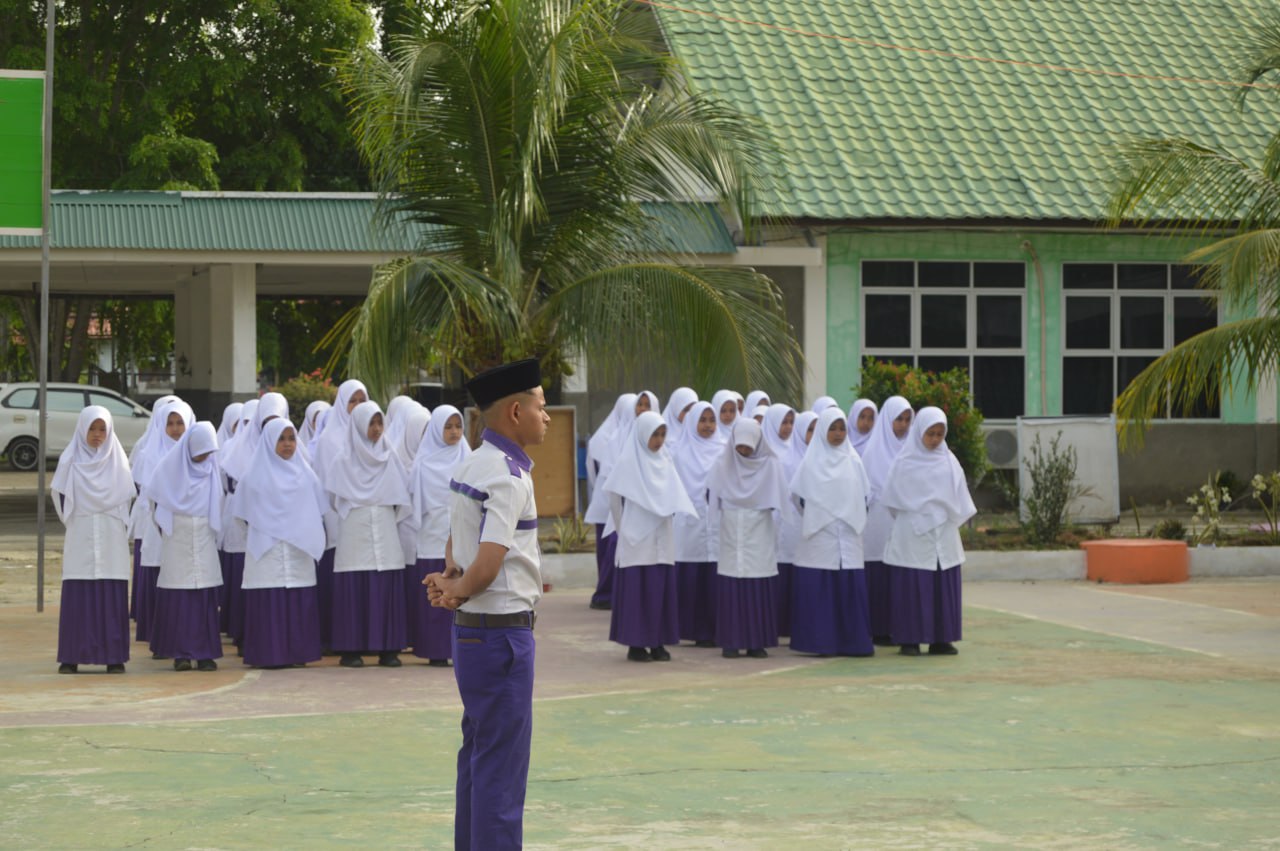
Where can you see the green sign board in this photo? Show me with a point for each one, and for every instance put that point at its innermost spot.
(21, 151)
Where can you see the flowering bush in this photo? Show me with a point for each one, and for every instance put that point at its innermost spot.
(1266, 490)
(946, 390)
(1208, 503)
(305, 389)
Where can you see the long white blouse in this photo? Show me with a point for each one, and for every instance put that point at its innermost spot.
(282, 566)
(748, 543)
(659, 547)
(369, 540)
(189, 557)
(96, 547)
(876, 533)
(697, 539)
(433, 534)
(937, 549)
(833, 547)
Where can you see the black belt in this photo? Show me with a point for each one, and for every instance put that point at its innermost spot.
(482, 621)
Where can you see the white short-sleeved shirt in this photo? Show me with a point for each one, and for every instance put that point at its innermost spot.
(492, 501)
(937, 549)
(833, 547)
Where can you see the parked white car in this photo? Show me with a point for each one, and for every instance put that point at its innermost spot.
(19, 429)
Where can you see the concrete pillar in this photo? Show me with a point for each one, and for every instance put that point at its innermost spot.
(815, 334)
(216, 337)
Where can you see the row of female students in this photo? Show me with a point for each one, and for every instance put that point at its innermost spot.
(289, 541)
(731, 522)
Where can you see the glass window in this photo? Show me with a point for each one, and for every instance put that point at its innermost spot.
(1013, 275)
(66, 401)
(888, 321)
(1087, 385)
(1142, 276)
(1089, 322)
(24, 398)
(888, 273)
(1142, 322)
(999, 322)
(1088, 276)
(1184, 277)
(943, 363)
(999, 387)
(1128, 369)
(1191, 316)
(943, 322)
(117, 406)
(944, 275)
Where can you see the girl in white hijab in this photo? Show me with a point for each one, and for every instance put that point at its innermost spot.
(862, 421)
(602, 452)
(369, 489)
(829, 589)
(311, 421)
(697, 539)
(406, 435)
(174, 417)
(186, 488)
(822, 403)
(155, 428)
(755, 399)
(645, 494)
(92, 488)
(442, 449)
(725, 404)
(678, 405)
(778, 426)
(888, 436)
(230, 422)
(283, 504)
(747, 493)
(929, 499)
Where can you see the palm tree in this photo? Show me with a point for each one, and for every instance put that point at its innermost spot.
(1207, 191)
(531, 141)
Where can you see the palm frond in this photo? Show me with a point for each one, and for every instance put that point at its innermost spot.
(1232, 357)
(1261, 45)
(1244, 268)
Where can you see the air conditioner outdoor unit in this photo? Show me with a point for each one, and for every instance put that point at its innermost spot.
(1002, 446)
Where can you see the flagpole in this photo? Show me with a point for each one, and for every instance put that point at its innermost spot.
(46, 211)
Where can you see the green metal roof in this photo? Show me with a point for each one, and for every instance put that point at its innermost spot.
(272, 221)
(870, 131)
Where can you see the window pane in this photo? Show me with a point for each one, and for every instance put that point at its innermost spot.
(944, 275)
(1129, 368)
(901, 359)
(25, 398)
(66, 401)
(1191, 315)
(942, 322)
(1089, 322)
(1184, 277)
(888, 321)
(1087, 386)
(1203, 409)
(1088, 276)
(943, 363)
(117, 407)
(999, 321)
(892, 273)
(999, 387)
(1142, 276)
(1141, 323)
(1000, 275)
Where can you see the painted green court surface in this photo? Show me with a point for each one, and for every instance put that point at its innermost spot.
(1037, 735)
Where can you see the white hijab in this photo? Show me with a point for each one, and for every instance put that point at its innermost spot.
(773, 417)
(180, 485)
(598, 446)
(928, 484)
(230, 422)
(883, 446)
(755, 399)
(237, 458)
(145, 462)
(93, 481)
(754, 481)
(434, 464)
(332, 434)
(310, 421)
(364, 472)
(695, 455)
(155, 427)
(856, 439)
(717, 402)
(831, 480)
(822, 403)
(280, 500)
(680, 398)
(647, 479)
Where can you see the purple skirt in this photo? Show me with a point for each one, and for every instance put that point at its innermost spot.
(93, 623)
(324, 591)
(926, 605)
(145, 581)
(281, 626)
(878, 598)
(186, 625)
(746, 613)
(829, 614)
(233, 579)
(606, 559)
(696, 584)
(133, 593)
(430, 627)
(645, 606)
(782, 596)
(368, 611)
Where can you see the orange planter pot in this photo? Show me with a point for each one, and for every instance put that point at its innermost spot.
(1136, 562)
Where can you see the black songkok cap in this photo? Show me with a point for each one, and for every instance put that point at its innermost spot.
(493, 384)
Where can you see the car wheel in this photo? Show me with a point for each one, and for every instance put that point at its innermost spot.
(24, 454)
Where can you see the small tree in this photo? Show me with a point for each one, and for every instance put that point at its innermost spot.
(1053, 486)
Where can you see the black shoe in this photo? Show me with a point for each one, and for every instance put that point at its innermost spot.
(115, 669)
(882, 640)
(351, 660)
(638, 654)
(601, 605)
(659, 654)
(704, 643)
(909, 650)
(182, 664)
(439, 663)
(64, 668)
(206, 665)
(945, 648)
(730, 654)
(389, 660)
(758, 653)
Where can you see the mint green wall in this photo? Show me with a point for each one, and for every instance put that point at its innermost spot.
(845, 251)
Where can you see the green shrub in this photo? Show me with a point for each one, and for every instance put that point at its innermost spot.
(946, 390)
(1053, 485)
(303, 390)
(1169, 530)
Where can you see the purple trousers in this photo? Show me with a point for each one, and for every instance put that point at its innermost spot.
(494, 670)
(606, 555)
(696, 584)
(430, 627)
(926, 605)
